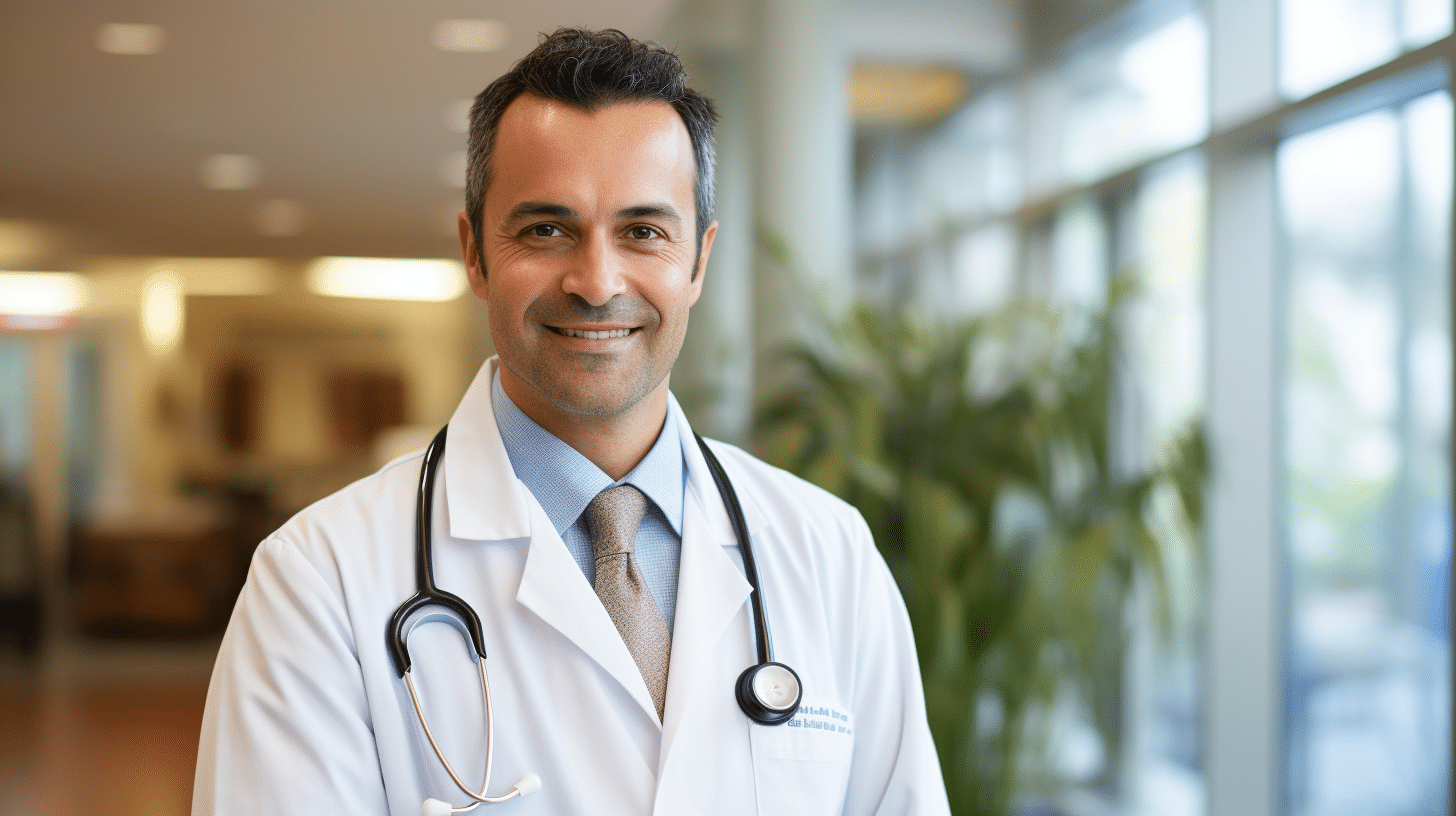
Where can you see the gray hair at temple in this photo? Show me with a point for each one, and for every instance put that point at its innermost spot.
(589, 70)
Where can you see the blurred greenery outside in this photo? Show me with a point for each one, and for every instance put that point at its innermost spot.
(982, 452)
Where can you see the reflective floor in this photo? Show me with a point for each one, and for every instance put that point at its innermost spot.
(101, 728)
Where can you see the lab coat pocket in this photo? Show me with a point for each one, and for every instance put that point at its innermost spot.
(802, 766)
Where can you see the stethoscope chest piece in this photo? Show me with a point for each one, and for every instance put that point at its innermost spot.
(769, 693)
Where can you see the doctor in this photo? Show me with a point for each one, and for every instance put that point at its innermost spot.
(587, 230)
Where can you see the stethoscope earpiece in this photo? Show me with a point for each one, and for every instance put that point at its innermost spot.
(769, 693)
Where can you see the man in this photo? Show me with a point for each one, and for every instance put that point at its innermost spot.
(576, 514)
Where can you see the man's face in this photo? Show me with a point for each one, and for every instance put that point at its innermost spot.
(588, 242)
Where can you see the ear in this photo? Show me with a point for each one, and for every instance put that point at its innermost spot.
(470, 253)
(702, 266)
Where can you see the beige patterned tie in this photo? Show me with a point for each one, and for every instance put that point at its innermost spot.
(611, 523)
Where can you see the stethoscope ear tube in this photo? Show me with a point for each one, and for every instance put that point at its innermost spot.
(426, 593)
(768, 692)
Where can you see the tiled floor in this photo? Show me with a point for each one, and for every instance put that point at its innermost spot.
(101, 728)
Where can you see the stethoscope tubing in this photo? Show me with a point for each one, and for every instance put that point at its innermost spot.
(763, 638)
(428, 595)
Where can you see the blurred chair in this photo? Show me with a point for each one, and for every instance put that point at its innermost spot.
(20, 607)
(169, 574)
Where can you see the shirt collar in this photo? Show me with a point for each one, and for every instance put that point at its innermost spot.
(564, 481)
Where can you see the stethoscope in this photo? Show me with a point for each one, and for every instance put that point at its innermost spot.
(768, 692)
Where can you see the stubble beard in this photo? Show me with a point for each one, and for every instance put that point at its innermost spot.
(557, 383)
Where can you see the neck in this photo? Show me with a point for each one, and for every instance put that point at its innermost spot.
(616, 443)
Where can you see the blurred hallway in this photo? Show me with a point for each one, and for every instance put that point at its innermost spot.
(101, 727)
(207, 210)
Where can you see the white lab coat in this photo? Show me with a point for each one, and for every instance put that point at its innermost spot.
(305, 714)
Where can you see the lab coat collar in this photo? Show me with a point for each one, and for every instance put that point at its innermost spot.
(483, 506)
(486, 502)
(483, 499)
(700, 483)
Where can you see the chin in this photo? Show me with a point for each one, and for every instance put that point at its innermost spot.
(605, 392)
(596, 402)
(595, 408)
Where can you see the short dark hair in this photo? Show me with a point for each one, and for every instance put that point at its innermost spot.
(589, 70)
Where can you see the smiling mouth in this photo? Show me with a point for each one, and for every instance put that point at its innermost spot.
(591, 335)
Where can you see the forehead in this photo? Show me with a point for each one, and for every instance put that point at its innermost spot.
(546, 148)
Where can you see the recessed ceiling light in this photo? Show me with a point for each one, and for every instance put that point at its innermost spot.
(452, 168)
(230, 171)
(280, 217)
(163, 311)
(457, 115)
(906, 94)
(41, 294)
(387, 278)
(132, 39)
(470, 36)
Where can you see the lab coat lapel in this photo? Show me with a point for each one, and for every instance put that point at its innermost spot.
(711, 594)
(483, 498)
(555, 590)
(486, 502)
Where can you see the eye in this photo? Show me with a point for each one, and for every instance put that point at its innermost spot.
(642, 232)
(544, 231)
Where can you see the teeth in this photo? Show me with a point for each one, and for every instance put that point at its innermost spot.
(596, 335)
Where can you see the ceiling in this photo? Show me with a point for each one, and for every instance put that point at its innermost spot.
(346, 106)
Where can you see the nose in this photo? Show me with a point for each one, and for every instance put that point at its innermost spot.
(596, 272)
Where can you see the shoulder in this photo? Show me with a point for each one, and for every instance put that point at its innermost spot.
(789, 502)
(352, 530)
(742, 465)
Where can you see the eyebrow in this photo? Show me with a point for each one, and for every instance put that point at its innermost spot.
(660, 211)
(537, 209)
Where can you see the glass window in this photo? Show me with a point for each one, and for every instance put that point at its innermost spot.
(17, 406)
(1165, 323)
(1167, 318)
(985, 267)
(83, 428)
(970, 165)
(1425, 21)
(16, 398)
(1323, 42)
(1080, 255)
(1128, 103)
(883, 216)
(1366, 432)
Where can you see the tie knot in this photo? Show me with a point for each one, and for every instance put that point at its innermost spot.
(612, 519)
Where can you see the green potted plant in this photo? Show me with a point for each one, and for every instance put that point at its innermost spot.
(981, 452)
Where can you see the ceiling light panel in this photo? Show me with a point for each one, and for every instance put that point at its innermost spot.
(42, 294)
(470, 36)
(387, 278)
(163, 311)
(906, 94)
(230, 171)
(131, 39)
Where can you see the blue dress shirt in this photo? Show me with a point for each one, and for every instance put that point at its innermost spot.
(565, 482)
